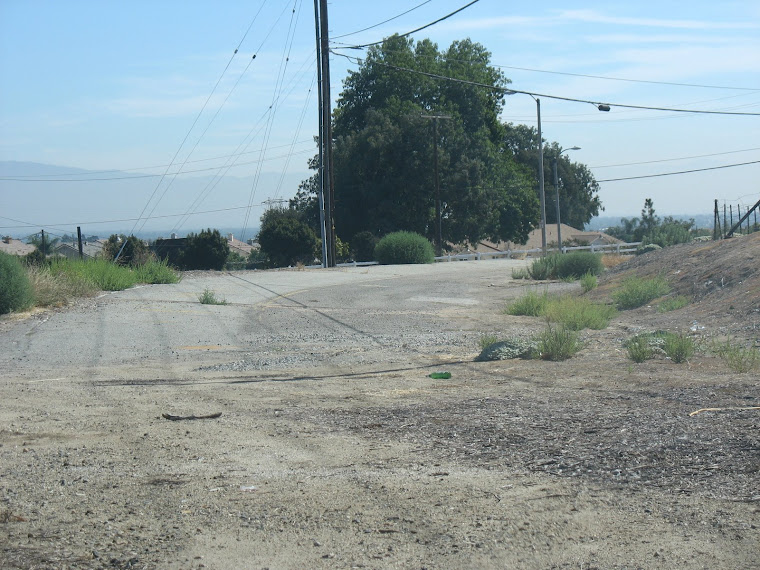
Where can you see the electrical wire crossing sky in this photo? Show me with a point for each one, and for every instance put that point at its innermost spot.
(177, 116)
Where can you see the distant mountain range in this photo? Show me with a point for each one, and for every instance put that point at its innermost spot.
(58, 198)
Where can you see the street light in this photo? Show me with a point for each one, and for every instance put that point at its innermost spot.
(556, 192)
(541, 194)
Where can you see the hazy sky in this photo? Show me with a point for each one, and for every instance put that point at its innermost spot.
(119, 85)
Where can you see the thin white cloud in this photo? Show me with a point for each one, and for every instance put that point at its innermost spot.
(654, 39)
(592, 16)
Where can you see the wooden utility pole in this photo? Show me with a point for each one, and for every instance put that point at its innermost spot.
(320, 144)
(79, 240)
(439, 233)
(327, 165)
(717, 231)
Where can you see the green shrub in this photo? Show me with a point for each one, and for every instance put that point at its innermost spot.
(571, 266)
(402, 248)
(208, 297)
(155, 272)
(637, 291)
(487, 340)
(576, 313)
(639, 349)
(16, 292)
(530, 305)
(673, 303)
(508, 349)
(678, 347)
(104, 274)
(363, 246)
(740, 359)
(557, 343)
(520, 273)
(576, 264)
(642, 249)
(588, 282)
(544, 267)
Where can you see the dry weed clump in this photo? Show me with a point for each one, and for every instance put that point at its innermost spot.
(610, 260)
(57, 289)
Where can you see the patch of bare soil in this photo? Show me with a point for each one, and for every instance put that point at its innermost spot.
(364, 461)
(721, 278)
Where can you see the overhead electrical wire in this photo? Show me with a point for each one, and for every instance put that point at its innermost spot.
(250, 136)
(680, 172)
(263, 41)
(197, 117)
(60, 175)
(675, 159)
(290, 38)
(139, 176)
(439, 20)
(98, 222)
(510, 91)
(383, 22)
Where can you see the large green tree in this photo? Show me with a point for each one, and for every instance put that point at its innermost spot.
(286, 238)
(578, 189)
(384, 147)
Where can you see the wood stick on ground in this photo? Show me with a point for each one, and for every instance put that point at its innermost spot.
(722, 409)
(178, 418)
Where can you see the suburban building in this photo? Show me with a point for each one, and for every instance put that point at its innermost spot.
(15, 246)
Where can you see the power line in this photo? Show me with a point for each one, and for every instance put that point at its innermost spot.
(446, 17)
(675, 159)
(607, 78)
(139, 176)
(383, 22)
(651, 82)
(680, 172)
(99, 222)
(510, 91)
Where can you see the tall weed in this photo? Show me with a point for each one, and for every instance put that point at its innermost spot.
(637, 291)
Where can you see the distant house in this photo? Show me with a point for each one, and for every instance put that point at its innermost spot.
(15, 246)
(170, 249)
(90, 249)
(243, 248)
(569, 235)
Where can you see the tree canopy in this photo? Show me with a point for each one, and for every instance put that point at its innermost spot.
(384, 147)
(578, 190)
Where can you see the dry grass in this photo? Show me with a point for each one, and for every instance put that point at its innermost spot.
(56, 290)
(610, 260)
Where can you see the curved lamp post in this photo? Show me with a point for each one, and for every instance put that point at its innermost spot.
(556, 193)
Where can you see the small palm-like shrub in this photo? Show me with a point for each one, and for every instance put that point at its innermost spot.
(557, 343)
(637, 291)
(404, 248)
(16, 292)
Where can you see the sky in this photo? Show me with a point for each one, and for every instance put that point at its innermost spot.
(137, 86)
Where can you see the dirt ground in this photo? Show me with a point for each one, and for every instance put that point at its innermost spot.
(363, 461)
